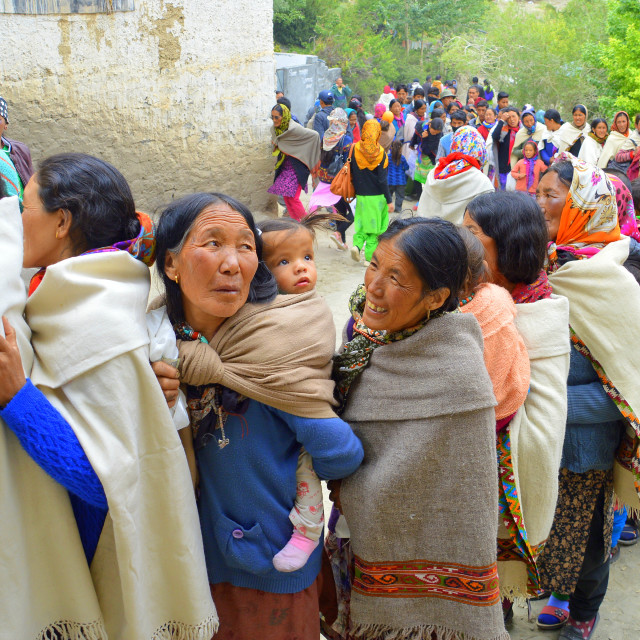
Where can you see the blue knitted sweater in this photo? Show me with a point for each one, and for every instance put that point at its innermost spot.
(51, 442)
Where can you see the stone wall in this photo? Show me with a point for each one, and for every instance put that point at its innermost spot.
(176, 94)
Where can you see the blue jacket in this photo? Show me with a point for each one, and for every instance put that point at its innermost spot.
(248, 488)
(594, 424)
(321, 121)
(396, 172)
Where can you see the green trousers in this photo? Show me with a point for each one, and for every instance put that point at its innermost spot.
(371, 218)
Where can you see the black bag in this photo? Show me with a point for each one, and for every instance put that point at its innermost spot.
(338, 161)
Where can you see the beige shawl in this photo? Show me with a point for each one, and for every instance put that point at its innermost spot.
(277, 353)
(537, 431)
(423, 410)
(299, 142)
(615, 142)
(523, 135)
(448, 198)
(92, 363)
(45, 584)
(608, 324)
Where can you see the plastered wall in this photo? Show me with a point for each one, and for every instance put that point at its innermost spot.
(176, 94)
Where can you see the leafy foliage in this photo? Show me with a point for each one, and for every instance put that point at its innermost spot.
(294, 21)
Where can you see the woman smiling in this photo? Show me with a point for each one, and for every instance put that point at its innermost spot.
(417, 489)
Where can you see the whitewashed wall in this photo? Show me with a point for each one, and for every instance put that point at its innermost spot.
(176, 94)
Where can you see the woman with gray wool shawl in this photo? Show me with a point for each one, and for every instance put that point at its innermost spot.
(428, 433)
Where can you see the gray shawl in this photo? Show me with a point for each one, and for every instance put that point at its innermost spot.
(423, 507)
(299, 142)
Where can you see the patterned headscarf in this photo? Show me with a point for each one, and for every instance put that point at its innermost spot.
(614, 126)
(468, 150)
(368, 153)
(280, 129)
(142, 247)
(339, 121)
(589, 219)
(353, 360)
(626, 211)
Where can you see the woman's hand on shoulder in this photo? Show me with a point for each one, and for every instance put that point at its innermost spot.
(168, 379)
(334, 493)
(12, 377)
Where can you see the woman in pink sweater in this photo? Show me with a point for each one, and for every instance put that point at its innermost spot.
(527, 171)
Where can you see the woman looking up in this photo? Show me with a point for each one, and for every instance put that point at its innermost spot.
(92, 415)
(578, 203)
(297, 151)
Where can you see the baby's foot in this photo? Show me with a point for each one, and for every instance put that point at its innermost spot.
(295, 553)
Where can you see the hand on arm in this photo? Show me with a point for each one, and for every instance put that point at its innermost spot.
(168, 379)
(12, 377)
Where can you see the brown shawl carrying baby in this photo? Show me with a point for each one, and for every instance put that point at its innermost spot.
(299, 142)
(277, 353)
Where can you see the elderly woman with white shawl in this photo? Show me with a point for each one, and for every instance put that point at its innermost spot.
(93, 416)
(457, 179)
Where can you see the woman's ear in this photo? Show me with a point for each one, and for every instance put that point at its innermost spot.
(436, 298)
(171, 266)
(63, 224)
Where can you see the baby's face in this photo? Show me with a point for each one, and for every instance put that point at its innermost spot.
(290, 257)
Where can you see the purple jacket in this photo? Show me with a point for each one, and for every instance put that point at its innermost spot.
(21, 158)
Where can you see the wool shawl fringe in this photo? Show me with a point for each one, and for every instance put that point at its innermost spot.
(68, 630)
(633, 512)
(175, 630)
(418, 632)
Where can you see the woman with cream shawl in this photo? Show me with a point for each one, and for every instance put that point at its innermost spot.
(92, 414)
(591, 148)
(512, 230)
(297, 151)
(45, 585)
(531, 129)
(619, 139)
(457, 179)
(579, 205)
(571, 135)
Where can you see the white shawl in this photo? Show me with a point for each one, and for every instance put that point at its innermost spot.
(45, 584)
(537, 430)
(605, 314)
(615, 142)
(448, 198)
(568, 134)
(523, 135)
(590, 151)
(92, 362)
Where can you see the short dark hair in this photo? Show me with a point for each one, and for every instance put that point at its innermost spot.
(438, 77)
(516, 224)
(437, 113)
(433, 91)
(637, 118)
(596, 121)
(96, 195)
(553, 114)
(402, 86)
(474, 80)
(285, 101)
(477, 270)
(564, 170)
(436, 250)
(417, 104)
(436, 124)
(458, 115)
(510, 108)
(418, 91)
(174, 226)
(502, 94)
(482, 103)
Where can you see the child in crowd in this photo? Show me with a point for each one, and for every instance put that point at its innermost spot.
(397, 177)
(288, 251)
(429, 139)
(527, 171)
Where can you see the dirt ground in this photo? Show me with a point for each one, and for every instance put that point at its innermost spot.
(338, 275)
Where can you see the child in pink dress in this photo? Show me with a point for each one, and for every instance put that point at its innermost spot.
(527, 171)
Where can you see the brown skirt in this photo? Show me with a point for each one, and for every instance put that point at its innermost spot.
(249, 614)
(561, 559)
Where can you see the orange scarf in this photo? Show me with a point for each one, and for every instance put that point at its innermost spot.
(368, 152)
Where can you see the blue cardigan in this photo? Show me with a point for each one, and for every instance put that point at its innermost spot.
(248, 488)
(594, 424)
(47, 437)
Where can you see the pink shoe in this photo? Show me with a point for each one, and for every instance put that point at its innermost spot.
(295, 553)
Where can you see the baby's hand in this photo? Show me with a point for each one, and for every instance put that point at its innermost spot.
(169, 380)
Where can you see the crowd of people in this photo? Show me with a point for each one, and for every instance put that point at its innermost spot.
(478, 427)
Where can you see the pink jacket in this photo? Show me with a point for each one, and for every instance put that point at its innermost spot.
(521, 170)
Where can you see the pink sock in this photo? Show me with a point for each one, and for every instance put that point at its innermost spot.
(295, 553)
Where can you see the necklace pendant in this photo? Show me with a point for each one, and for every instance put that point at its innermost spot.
(223, 442)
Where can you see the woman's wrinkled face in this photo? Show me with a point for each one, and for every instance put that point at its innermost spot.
(490, 116)
(421, 111)
(215, 266)
(395, 292)
(601, 129)
(276, 118)
(552, 196)
(528, 121)
(46, 239)
(622, 123)
(579, 118)
(396, 109)
(490, 250)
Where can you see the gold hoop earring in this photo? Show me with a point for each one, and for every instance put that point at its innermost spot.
(176, 278)
(57, 235)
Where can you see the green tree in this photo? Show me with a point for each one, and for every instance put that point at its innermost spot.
(294, 22)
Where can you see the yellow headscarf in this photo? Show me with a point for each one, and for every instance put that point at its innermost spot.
(368, 152)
